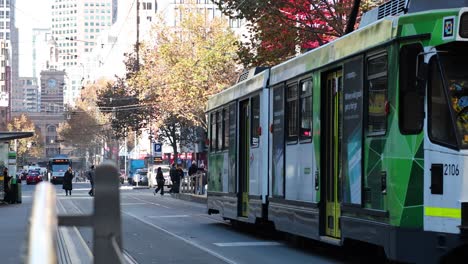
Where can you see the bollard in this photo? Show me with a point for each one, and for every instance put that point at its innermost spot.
(106, 220)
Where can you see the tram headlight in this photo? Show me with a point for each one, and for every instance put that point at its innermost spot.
(464, 25)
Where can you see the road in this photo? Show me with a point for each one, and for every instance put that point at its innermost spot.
(161, 229)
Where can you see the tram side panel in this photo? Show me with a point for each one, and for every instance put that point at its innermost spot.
(293, 200)
(222, 171)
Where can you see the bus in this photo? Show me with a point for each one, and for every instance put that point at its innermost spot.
(362, 139)
(57, 167)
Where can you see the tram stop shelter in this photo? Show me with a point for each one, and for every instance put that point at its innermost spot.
(8, 154)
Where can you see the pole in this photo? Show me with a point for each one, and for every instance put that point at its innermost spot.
(137, 45)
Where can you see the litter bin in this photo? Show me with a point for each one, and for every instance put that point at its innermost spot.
(19, 196)
(14, 191)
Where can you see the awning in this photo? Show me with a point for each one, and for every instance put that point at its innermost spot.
(14, 135)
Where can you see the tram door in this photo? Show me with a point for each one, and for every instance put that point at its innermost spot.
(332, 152)
(244, 128)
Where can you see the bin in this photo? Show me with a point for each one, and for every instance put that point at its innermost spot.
(14, 191)
(19, 196)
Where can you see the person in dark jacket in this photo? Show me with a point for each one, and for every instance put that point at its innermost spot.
(172, 174)
(160, 181)
(91, 175)
(179, 176)
(192, 171)
(6, 186)
(67, 181)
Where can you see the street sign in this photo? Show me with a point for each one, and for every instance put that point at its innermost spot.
(157, 150)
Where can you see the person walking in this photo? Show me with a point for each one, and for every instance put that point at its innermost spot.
(191, 172)
(160, 181)
(179, 176)
(6, 186)
(68, 181)
(91, 175)
(172, 174)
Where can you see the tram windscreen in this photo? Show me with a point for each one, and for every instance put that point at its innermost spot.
(453, 59)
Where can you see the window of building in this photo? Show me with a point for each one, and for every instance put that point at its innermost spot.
(377, 90)
(292, 107)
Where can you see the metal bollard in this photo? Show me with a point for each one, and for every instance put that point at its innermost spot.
(106, 220)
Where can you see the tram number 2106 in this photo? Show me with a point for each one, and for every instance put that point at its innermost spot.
(451, 170)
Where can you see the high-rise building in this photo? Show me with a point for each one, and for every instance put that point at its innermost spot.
(76, 24)
(40, 51)
(4, 79)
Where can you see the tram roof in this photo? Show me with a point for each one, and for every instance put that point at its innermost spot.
(239, 90)
(364, 38)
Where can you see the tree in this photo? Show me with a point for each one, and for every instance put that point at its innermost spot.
(27, 147)
(181, 67)
(279, 28)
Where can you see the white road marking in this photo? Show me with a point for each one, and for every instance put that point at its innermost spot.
(167, 216)
(132, 203)
(247, 244)
(192, 243)
(131, 196)
(128, 258)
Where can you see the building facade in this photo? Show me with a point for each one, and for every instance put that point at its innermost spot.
(76, 24)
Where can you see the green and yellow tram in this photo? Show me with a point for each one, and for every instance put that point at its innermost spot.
(365, 138)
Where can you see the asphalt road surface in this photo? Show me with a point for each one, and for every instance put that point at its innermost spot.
(161, 229)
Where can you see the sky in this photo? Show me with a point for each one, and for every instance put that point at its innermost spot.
(30, 14)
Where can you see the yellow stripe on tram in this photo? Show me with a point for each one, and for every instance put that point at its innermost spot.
(442, 212)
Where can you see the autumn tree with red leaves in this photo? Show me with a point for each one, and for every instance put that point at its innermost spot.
(279, 29)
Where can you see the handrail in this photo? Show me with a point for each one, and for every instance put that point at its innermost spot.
(105, 220)
(42, 234)
(197, 187)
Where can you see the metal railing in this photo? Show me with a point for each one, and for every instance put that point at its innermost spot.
(194, 184)
(105, 220)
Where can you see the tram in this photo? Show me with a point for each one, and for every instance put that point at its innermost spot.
(365, 138)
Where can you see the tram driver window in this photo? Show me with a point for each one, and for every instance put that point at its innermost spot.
(255, 126)
(306, 111)
(292, 107)
(377, 90)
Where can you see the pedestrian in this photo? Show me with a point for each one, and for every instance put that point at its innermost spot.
(91, 175)
(160, 181)
(68, 181)
(172, 175)
(179, 176)
(6, 186)
(201, 170)
(191, 172)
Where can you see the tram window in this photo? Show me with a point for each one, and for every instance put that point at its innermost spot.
(226, 128)
(213, 132)
(306, 110)
(440, 125)
(292, 108)
(219, 129)
(255, 126)
(377, 91)
(411, 115)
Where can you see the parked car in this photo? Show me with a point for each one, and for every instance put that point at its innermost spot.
(140, 177)
(152, 175)
(33, 177)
